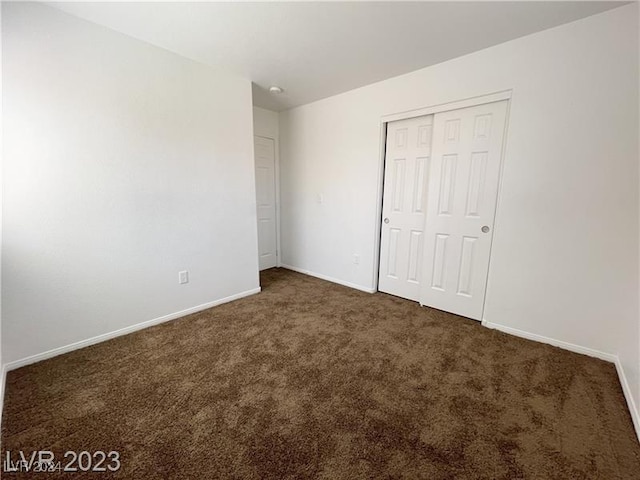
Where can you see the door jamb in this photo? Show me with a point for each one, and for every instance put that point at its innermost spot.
(419, 112)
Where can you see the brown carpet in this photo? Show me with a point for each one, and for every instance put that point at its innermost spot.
(313, 380)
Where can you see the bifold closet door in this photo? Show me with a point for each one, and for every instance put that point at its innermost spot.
(461, 203)
(408, 149)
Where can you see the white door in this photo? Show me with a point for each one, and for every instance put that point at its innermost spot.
(462, 195)
(266, 201)
(403, 206)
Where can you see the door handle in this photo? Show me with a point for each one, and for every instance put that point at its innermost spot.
(485, 229)
(386, 220)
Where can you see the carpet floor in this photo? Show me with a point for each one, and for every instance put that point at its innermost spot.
(309, 379)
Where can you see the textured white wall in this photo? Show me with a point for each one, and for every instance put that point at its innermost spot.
(123, 164)
(565, 256)
(637, 396)
(2, 372)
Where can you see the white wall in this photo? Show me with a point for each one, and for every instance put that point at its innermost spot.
(630, 349)
(123, 164)
(2, 369)
(565, 256)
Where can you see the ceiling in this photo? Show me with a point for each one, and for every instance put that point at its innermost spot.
(317, 49)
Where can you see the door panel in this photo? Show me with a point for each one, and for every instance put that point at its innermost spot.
(461, 200)
(266, 201)
(407, 158)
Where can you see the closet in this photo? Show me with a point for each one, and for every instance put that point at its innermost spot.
(440, 190)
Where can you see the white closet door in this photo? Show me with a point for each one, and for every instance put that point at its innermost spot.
(266, 201)
(403, 206)
(462, 195)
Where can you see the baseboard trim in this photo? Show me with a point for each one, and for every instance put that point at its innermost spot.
(626, 389)
(328, 279)
(123, 331)
(609, 357)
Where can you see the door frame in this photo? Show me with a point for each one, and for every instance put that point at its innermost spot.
(429, 110)
(276, 173)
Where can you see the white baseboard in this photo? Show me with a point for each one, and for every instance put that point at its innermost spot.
(633, 409)
(328, 279)
(609, 357)
(123, 331)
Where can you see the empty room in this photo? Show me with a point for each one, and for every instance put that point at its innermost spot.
(320, 240)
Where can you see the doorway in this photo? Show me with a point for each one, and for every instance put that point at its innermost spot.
(265, 165)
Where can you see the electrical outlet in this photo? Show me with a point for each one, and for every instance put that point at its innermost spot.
(320, 198)
(183, 277)
(356, 259)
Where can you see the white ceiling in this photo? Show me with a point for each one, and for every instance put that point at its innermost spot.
(314, 49)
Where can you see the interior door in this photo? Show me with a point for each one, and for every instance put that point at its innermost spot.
(407, 155)
(462, 196)
(266, 201)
